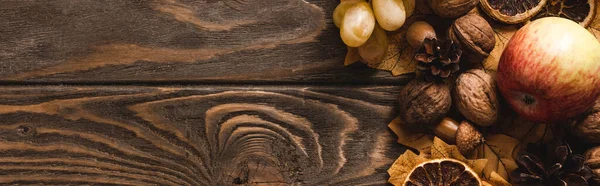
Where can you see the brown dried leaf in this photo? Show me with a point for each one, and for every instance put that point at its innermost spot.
(441, 149)
(399, 57)
(503, 34)
(499, 150)
(403, 165)
(497, 180)
(429, 147)
(352, 56)
(594, 26)
(419, 141)
(525, 131)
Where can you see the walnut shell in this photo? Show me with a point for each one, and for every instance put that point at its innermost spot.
(476, 98)
(592, 160)
(423, 104)
(474, 35)
(588, 126)
(452, 8)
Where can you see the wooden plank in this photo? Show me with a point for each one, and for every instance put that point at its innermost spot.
(109, 41)
(203, 135)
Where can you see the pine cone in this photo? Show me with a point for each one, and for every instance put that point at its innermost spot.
(438, 59)
(560, 167)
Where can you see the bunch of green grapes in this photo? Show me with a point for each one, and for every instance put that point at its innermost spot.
(362, 24)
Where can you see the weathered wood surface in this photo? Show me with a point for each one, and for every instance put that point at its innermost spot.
(105, 41)
(201, 135)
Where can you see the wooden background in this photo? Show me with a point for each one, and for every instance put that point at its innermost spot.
(187, 92)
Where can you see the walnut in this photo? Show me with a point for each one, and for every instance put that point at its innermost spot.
(476, 98)
(587, 127)
(592, 160)
(424, 104)
(452, 8)
(474, 35)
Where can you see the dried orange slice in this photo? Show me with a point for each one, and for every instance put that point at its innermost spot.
(512, 11)
(442, 172)
(580, 11)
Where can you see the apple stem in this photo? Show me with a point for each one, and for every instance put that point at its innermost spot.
(528, 99)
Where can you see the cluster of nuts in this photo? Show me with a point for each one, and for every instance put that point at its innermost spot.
(425, 105)
(470, 31)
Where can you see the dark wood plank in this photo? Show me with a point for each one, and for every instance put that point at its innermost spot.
(209, 135)
(108, 41)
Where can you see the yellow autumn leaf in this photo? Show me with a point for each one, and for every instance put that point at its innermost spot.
(503, 34)
(429, 147)
(403, 165)
(419, 141)
(497, 180)
(441, 149)
(352, 56)
(524, 130)
(594, 26)
(499, 150)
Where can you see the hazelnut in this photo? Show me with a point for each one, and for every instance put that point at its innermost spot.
(452, 8)
(587, 127)
(423, 104)
(475, 97)
(417, 32)
(474, 36)
(464, 135)
(592, 160)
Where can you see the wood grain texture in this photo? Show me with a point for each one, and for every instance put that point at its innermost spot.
(105, 41)
(213, 135)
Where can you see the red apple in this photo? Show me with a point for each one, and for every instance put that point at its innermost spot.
(550, 70)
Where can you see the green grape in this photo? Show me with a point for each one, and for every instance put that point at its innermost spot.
(375, 49)
(390, 14)
(340, 10)
(357, 25)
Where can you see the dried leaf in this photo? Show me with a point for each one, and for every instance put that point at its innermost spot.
(352, 56)
(418, 141)
(525, 131)
(399, 57)
(497, 180)
(441, 149)
(403, 165)
(503, 34)
(499, 150)
(594, 26)
(429, 147)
